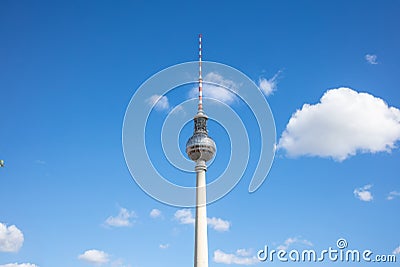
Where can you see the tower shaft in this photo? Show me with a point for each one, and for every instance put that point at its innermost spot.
(201, 242)
(200, 148)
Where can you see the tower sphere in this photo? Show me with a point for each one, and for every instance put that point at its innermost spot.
(200, 146)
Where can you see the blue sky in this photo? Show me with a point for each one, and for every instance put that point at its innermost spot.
(68, 70)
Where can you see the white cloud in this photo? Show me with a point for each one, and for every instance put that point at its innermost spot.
(160, 102)
(363, 193)
(122, 219)
(293, 240)
(371, 59)
(155, 213)
(268, 86)
(19, 265)
(392, 195)
(94, 256)
(396, 250)
(343, 123)
(178, 110)
(11, 238)
(244, 252)
(218, 224)
(185, 216)
(119, 263)
(216, 88)
(164, 246)
(237, 258)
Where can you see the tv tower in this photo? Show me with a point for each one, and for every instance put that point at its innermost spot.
(200, 148)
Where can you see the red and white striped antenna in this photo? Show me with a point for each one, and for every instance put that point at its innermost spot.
(200, 107)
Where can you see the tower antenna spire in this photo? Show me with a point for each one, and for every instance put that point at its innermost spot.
(200, 106)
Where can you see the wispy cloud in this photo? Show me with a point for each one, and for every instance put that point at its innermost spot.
(244, 252)
(240, 257)
(269, 86)
(164, 246)
(371, 59)
(119, 263)
(11, 238)
(94, 256)
(392, 195)
(396, 250)
(218, 224)
(159, 102)
(293, 240)
(363, 193)
(215, 87)
(185, 216)
(344, 123)
(19, 265)
(99, 257)
(178, 110)
(155, 213)
(123, 219)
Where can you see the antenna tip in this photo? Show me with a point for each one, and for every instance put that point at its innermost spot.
(200, 35)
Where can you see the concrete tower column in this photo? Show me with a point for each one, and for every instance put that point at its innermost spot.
(200, 242)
